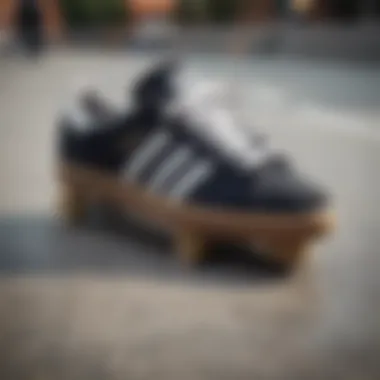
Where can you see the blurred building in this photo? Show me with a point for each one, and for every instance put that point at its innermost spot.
(141, 8)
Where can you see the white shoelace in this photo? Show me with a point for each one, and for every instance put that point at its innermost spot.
(212, 115)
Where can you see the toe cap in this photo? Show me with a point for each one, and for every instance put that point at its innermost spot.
(287, 192)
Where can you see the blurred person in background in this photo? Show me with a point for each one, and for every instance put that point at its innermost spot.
(29, 27)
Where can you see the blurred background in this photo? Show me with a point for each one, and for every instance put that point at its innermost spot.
(110, 300)
(328, 28)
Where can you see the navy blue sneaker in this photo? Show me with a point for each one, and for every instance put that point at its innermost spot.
(182, 157)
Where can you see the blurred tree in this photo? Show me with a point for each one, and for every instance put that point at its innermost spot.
(222, 11)
(95, 13)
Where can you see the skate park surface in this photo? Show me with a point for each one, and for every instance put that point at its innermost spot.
(99, 303)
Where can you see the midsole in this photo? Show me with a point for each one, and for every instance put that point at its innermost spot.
(206, 220)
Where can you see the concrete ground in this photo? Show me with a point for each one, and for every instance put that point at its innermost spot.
(89, 304)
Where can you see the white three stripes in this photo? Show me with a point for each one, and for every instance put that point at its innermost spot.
(145, 154)
(188, 172)
(171, 164)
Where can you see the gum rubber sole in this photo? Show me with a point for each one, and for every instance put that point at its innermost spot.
(285, 238)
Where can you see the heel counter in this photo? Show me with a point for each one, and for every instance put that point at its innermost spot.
(69, 142)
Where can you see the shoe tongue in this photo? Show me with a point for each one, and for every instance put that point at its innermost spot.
(205, 106)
